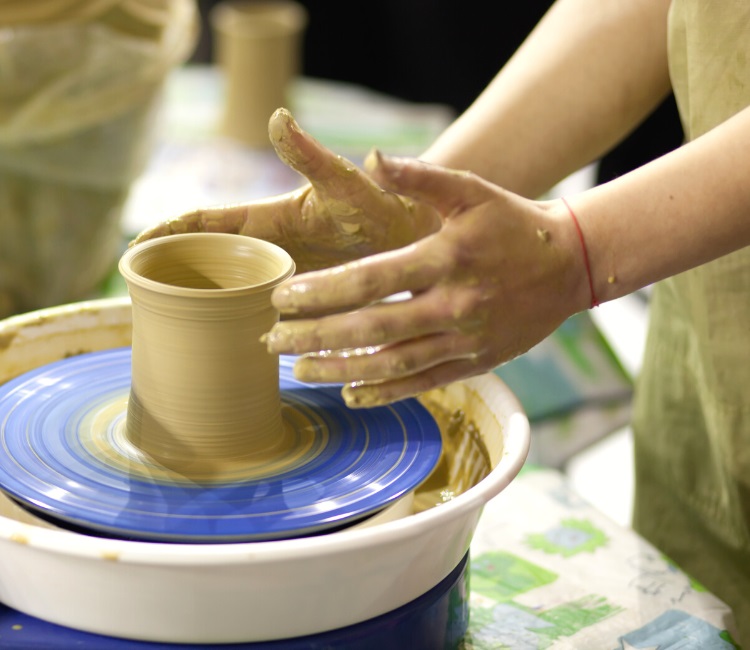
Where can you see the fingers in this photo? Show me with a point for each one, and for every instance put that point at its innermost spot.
(327, 171)
(380, 324)
(294, 146)
(191, 222)
(359, 283)
(366, 395)
(235, 219)
(448, 190)
(373, 364)
(346, 192)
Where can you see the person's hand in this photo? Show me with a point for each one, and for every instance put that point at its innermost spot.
(501, 274)
(340, 215)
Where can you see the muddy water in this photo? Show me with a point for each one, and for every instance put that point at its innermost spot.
(464, 460)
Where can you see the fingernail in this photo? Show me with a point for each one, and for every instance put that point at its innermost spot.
(305, 369)
(281, 124)
(286, 297)
(291, 123)
(277, 340)
(358, 396)
(283, 299)
(372, 160)
(281, 295)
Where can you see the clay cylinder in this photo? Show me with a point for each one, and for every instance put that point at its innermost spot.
(257, 45)
(204, 389)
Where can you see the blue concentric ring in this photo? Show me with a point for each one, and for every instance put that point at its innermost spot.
(359, 462)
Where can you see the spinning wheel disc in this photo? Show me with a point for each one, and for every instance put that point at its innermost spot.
(65, 455)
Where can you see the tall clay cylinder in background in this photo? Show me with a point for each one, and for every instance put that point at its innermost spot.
(204, 389)
(258, 46)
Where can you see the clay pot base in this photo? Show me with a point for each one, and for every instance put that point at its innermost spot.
(65, 456)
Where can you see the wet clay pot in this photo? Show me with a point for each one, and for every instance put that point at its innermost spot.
(202, 413)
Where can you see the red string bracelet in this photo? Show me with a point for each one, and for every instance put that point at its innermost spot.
(594, 301)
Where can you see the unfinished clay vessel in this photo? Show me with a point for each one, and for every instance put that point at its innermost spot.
(218, 406)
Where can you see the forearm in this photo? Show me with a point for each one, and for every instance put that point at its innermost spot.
(679, 211)
(585, 77)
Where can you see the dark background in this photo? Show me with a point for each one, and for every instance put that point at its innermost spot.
(443, 51)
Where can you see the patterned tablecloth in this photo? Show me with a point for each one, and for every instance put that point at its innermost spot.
(550, 571)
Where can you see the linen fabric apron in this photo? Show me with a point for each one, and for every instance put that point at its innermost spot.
(692, 409)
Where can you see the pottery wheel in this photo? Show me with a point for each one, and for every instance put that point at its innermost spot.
(65, 456)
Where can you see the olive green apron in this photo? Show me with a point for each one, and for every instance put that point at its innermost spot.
(692, 412)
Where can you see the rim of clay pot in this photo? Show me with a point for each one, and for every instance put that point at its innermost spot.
(134, 263)
(258, 18)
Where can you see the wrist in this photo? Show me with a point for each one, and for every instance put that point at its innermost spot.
(594, 302)
(578, 283)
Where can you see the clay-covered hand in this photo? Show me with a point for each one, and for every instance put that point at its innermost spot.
(500, 275)
(340, 215)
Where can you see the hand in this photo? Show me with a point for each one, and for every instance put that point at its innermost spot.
(500, 275)
(340, 215)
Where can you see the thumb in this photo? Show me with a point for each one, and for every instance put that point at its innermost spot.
(296, 148)
(303, 153)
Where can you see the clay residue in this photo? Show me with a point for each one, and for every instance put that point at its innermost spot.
(110, 556)
(464, 460)
(19, 538)
(75, 353)
(6, 339)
